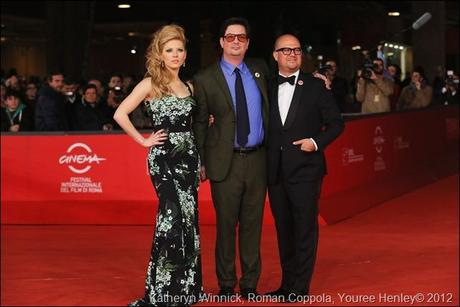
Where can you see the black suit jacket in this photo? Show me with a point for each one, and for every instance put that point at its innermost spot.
(313, 113)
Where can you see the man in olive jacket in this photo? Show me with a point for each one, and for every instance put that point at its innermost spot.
(233, 92)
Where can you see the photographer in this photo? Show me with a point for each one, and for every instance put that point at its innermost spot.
(449, 93)
(90, 115)
(373, 89)
(339, 87)
(114, 97)
(417, 94)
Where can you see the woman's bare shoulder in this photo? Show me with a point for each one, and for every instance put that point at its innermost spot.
(146, 87)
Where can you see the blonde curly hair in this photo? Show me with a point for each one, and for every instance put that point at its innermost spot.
(159, 74)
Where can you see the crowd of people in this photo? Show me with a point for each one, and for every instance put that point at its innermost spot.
(59, 103)
(376, 88)
(62, 104)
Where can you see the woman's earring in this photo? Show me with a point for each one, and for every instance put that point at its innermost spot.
(162, 64)
(183, 65)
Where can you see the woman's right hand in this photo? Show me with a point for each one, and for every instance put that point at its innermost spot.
(156, 138)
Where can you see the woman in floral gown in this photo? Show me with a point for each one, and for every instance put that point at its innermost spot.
(174, 270)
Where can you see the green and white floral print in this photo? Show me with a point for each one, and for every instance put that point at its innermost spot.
(173, 107)
(174, 275)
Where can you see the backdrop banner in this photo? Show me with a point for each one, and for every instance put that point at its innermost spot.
(103, 178)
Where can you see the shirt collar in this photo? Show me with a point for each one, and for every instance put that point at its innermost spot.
(296, 74)
(229, 68)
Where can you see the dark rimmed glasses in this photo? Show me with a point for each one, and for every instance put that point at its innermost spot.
(231, 37)
(288, 51)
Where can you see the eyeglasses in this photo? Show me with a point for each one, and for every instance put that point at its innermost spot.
(288, 51)
(231, 37)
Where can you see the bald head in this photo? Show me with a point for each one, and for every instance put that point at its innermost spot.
(288, 54)
(286, 39)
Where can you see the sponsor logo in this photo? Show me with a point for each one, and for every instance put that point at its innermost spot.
(349, 156)
(379, 140)
(379, 164)
(81, 185)
(399, 143)
(79, 158)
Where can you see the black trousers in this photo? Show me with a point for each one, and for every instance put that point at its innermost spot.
(295, 210)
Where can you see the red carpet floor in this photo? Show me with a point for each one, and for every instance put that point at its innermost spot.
(403, 252)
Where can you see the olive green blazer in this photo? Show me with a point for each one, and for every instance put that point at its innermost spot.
(215, 142)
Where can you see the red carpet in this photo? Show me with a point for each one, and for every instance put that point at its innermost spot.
(389, 254)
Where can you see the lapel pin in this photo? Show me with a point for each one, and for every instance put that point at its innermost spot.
(300, 82)
(257, 75)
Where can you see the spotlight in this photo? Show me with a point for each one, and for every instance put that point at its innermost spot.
(124, 6)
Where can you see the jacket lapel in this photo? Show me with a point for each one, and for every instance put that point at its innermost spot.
(294, 103)
(274, 103)
(260, 81)
(222, 82)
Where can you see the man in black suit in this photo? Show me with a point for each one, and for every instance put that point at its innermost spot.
(304, 119)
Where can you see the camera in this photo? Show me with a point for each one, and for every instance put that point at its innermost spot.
(324, 69)
(118, 94)
(367, 69)
(451, 80)
(450, 86)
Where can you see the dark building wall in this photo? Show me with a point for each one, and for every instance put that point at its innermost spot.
(67, 31)
(429, 42)
(28, 58)
(67, 28)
